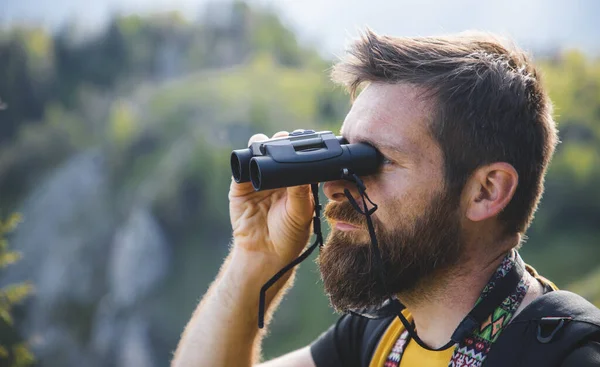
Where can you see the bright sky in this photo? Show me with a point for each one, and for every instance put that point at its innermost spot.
(535, 24)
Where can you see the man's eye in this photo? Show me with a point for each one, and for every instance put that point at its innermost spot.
(386, 161)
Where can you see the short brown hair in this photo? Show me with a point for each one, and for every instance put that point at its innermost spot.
(489, 105)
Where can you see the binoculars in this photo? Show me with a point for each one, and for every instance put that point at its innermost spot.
(303, 157)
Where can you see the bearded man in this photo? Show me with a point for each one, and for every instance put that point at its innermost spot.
(466, 133)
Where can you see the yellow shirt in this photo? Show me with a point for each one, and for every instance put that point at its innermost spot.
(414, 355)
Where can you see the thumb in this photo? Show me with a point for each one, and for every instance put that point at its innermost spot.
(300, 204)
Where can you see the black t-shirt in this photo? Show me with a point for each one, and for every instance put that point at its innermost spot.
(352, 341)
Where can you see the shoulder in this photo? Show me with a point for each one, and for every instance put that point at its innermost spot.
(349, 342)
(552, 327)
(564, 304)
(584, 356)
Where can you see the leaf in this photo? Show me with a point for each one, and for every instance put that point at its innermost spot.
(3, 352)
(16, 293)
(9, 258)
(5, 315)
(23, 357)
(11, 223)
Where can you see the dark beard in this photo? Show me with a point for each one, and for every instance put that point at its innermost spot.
(411, 254)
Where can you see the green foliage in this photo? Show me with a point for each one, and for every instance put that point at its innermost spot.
(589, 286)
(10, 295)
(19, 354)
(564, 236)
(25, 78)
(574, 83)
(123, 124)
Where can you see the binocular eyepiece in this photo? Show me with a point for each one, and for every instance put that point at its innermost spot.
(303, 157)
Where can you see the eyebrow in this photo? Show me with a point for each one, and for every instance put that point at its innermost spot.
(385, 146)
(379, 146)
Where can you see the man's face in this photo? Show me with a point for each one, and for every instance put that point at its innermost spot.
(417, 222)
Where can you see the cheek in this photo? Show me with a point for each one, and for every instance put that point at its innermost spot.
(401, 198)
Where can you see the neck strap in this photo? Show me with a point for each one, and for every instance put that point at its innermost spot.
(318, 242)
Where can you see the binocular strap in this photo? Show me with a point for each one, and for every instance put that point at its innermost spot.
(318, 241)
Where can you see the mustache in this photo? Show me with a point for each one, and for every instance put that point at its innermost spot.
(344, 212)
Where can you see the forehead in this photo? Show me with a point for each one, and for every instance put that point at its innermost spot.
(390, 115)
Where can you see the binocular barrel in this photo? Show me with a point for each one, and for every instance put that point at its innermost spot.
(302, 162)
(240, 164)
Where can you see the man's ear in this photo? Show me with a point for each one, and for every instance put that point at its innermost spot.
(489, 190)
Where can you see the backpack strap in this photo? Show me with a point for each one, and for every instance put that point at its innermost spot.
(546, 331)
(374, 330)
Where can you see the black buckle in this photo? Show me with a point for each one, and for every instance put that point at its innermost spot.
(552, 324)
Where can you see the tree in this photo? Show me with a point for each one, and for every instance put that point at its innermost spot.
(13, 351)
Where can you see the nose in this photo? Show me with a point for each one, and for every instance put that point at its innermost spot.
(334, 190)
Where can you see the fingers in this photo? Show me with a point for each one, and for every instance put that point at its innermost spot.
(257, 137)
(280, 134)
(300, 204)
(299, 192)
(261, 137)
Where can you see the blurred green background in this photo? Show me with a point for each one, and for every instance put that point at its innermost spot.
(114, 148)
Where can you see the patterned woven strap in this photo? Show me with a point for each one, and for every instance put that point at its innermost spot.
(471, 352)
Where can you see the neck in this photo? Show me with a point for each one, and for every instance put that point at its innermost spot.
(440, 305)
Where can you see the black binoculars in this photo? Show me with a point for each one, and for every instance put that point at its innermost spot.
(303, 157)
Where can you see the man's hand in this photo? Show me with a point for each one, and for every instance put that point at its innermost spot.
(270, 229)
(273, 222)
